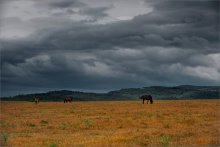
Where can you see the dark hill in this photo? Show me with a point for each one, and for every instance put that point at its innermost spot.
(158, 92)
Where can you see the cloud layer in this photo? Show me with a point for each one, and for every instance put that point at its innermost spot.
(80, 45)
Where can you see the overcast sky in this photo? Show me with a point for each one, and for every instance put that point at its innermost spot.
(102, 45)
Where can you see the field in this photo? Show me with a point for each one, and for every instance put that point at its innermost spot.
(116, 123)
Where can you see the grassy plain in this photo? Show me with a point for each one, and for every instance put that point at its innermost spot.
(116, 123)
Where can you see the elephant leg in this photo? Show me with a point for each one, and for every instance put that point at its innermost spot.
(143, 101)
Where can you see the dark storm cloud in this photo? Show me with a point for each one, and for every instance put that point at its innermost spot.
(69, 7)
(176, 43)
(196, 28)
(98, 12)
(60, 4)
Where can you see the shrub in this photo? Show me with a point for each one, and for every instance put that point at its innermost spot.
(167, 126)
(4, 138)
(31, 125)
(44, 122)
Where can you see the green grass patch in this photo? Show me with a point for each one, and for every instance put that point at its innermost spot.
(189, 121)
(65, 126)
(149, 114)
(159, 115)
(164, 140)
(176, 117)
(53, 145)
(88, 122)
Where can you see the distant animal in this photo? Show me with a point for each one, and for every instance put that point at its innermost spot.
(36, 100)
(148, 98)
(66, 100)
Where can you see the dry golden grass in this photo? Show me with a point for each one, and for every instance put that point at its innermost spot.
(117, 123)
